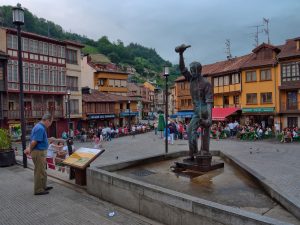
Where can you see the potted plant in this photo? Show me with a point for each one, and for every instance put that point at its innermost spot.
(7, 154)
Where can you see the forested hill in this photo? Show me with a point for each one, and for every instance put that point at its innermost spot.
(146, 61)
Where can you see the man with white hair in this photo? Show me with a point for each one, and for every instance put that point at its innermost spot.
(38, 149)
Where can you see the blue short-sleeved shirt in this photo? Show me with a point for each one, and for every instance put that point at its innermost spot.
(39, 135)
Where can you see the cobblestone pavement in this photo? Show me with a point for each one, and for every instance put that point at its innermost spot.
(63, 206)
(277, 163)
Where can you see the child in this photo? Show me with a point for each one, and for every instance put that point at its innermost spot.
(51, 151)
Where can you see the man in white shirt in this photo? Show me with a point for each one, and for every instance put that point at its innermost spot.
(231, 127)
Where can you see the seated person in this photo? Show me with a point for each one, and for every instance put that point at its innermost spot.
(51, 152)
(61, 156)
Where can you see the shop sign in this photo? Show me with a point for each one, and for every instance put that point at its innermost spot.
(101, 116)
(123, 114)
(258, 110)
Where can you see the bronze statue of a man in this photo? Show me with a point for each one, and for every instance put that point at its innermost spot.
(202, 98)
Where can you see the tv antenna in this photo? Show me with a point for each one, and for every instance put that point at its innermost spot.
(258, 31)
(266, 30)
(228, 49)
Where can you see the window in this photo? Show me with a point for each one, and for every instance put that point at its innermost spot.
(216, 83)
(12, 41)
(1, 71)
(236, 100)
(25, 73)
(182, 102)
(11, 106)
(221, 81)
(111, 83)
(25, 44)
(290, 71)
(74, 106)
(235, 78)
(292, 100)
(123, 83)
(72, 83)
(50, 49)
(225, 101)
(71, 56)
(226, 80)
(251, 98)
(266, 97)
(45, 48)
(292, 122)
(250, 76)
(101, 82)
(265, 74)
(117, 83)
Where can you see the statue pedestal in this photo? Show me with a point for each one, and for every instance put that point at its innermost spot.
(201, 163)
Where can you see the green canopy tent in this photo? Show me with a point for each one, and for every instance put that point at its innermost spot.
(161, 124)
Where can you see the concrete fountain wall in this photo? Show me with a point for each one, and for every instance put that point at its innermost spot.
(161, 204)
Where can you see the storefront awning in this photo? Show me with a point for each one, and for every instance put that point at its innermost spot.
(220, 114)
(185, 114)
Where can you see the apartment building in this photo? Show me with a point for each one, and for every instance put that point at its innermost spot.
(73, 84)
(259, 98)
(44, 79)
(102, 75)
(289, 83)
(264, 84)
(106, 109)
(3, 90)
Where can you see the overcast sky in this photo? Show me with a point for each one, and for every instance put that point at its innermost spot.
(164, 24)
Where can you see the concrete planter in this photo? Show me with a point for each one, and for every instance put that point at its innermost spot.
(7, 157)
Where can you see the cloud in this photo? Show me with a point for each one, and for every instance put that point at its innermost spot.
(162, 25)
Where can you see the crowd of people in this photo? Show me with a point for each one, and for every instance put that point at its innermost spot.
(222, 130)
(290, 135)
(106, 133)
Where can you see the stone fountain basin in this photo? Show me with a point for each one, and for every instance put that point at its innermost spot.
(148, 186)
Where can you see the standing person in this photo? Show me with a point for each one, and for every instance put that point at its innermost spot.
(231, 127)
(277, 128)
(38, 148)
(155, 127)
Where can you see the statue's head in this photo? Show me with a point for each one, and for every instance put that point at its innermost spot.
(195, 68)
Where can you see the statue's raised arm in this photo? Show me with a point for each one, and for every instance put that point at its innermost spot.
(180, 49)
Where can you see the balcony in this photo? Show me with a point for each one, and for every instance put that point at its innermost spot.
(232, 88)
(228, 106)
(293, 107)
(33, 114)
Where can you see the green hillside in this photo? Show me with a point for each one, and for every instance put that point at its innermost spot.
(146, 61)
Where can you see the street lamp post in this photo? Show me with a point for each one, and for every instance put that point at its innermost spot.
(129, 118)
(166, 75)
(69, 112)
(18, 20)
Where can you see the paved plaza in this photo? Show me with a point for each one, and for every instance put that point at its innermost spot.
(275, 163)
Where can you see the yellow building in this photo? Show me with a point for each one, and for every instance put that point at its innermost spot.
(260, 97)
(100, 74)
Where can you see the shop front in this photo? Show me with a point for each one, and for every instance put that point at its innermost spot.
(127, 116)
(261, 115)
(97, 120)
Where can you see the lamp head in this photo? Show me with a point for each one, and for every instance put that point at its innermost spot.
(18, 15)
(166, 71)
